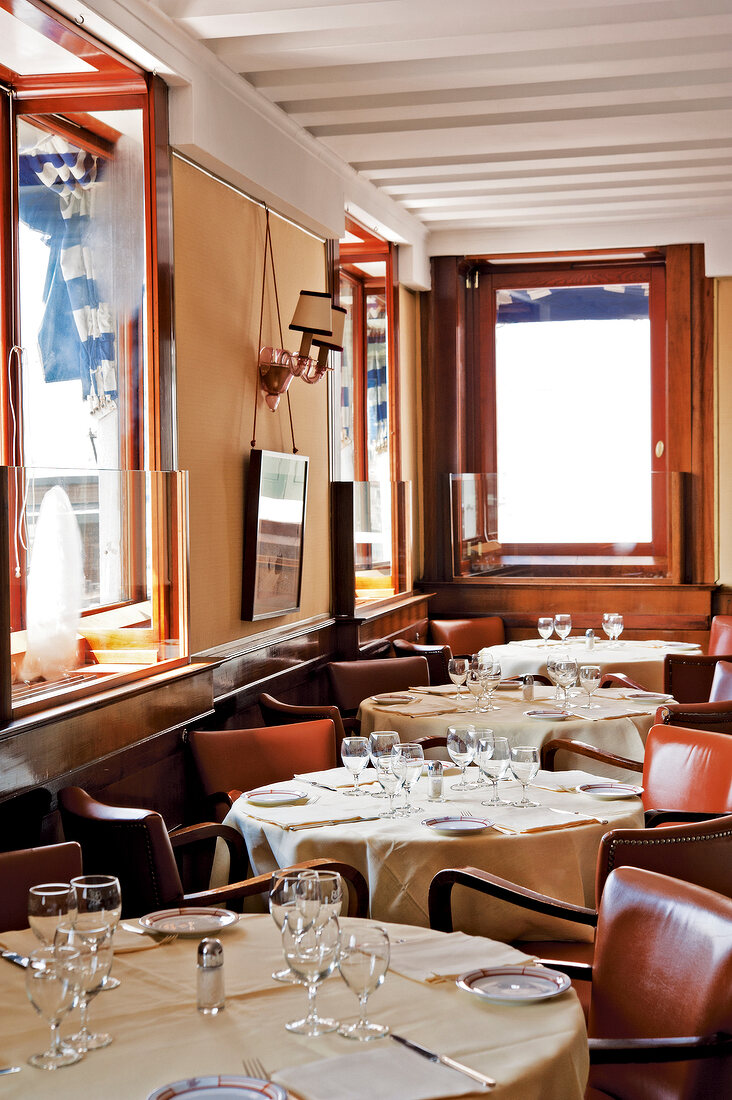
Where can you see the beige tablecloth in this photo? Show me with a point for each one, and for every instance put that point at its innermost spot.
(641, 660)
(537, 1052)
(399, 857)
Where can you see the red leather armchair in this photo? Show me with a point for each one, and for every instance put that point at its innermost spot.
(689, 676)
(437, 657)
(467, 636)
(19, 870)
(353, 681)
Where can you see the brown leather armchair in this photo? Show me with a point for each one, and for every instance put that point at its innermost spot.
(716, 717)
(353, 681)
(275, 712)
(19, 870)
(467, 636)
(437, 657)
(689, 676)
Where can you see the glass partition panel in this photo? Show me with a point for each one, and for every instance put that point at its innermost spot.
(382, 538)
(97, 564)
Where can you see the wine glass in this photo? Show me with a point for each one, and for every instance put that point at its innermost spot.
(363, 962)
(457, 668)
(607, 624)
(545, 626)
(51, 988)
(381, 742)
(327, 887)
(617, 624)
(524, 766)
(490, 671)
(589, 678)
(282, 900)
(355, 755)
(49, 903)
(476, 686)
(92, 945)
(311, 950)
(407, 760)
(551, 671)
(461, 750)
(98, 897)
(390, 781)
(493, 757)
(565, 670)
(563, 625)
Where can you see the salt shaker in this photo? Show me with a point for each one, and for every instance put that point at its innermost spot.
(528, 690)
(589, 639)
(435, 781)
(210, 977)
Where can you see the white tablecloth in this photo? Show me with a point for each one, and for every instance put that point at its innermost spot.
(641, 660)
(536, 1052)
(399, 857)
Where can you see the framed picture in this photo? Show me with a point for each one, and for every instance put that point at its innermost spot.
(274, 530)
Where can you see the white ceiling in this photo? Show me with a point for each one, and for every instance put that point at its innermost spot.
(496, 114)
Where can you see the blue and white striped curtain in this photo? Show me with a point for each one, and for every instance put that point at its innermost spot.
(377, 386)
(77, 333)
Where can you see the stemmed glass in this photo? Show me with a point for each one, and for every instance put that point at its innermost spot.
(524, 765)
(490, 671)
(311, 950)
(546, 627)
(608, 625)
(457, 668)
(390, 781)
(562, 625)
(406, 761)
(565, 669)
(617, 624)
(363, 962)
(493, 757)
(282, 900)
(48, 904)
(551, 671)
(92, 945)
(381, 742)
(476, 685)
(355, 755)
(51, 988)
(461, 750)
(589, 678)
(99, 900)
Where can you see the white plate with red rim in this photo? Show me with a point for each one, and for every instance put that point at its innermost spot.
(649, 696)
(514, 984)
(457, 826)
(393, 699)
(611, 790)
(188, 922)
(223, 1087)
(273, 796)
(547, 714)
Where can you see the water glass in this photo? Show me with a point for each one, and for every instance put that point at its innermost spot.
(355, 754)
(617, 624)
(565, 670)
(589, 678)
(608, 625)
(51, 987)
(524, 766)
(92, 946)
(551, 671)
(461, 750)
(363, 962)
(99, 899)
(493, 757)
(407, 760)
(490, 671)
(48, 904)
(311, 950)
(562, 625)
(457, 668)
(282, 900)
(381, 742)
(390, 781)
(476, 686)
(546, 627)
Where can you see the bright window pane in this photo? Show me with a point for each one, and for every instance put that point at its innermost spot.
(377, 389)
(573, 413)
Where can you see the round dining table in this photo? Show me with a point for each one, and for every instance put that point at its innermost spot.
(533, 1051)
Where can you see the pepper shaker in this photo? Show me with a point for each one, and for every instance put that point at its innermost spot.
(435, 782)
(210, 997)
(528, 691)
(589, 639)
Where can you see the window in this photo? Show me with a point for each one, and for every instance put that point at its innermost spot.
(96, 556)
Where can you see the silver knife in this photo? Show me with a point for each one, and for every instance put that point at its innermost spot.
(445, 1060)
(312, 783)
(10, 1069)
(14, 957)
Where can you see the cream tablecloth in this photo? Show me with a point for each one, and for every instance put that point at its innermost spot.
(641, 660)
(535, 1052)
(399, 857)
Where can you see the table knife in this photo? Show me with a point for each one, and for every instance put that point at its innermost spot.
(14, 957)
(445, 1060)
(323, 786)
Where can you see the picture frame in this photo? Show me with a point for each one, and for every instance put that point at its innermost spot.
(274, 533)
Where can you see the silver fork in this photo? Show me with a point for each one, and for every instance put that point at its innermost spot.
(254, 1068)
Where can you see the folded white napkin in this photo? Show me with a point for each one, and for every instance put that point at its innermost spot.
(334, 777)
(443, 958)
(539, 820)
(295, 818)
(390, 1071)
(565, 781)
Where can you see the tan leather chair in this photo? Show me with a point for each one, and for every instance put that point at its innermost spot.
(467, 636)
(689, 677)
(661, 989)
(353, 681)
(720, 635)
(232, 761)
(275, 712)
(135, 846)
(437, 657)
(27, 867)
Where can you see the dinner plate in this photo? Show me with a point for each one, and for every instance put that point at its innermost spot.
(510, 685)
(611, 790)
(514, 984)
(189, 922)
(390, 700)
(649, 696)
(220, 1088)
(554, 715)
(271, 796)
(457, 826)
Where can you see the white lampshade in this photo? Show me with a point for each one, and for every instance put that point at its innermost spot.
(312, 313)
(335, 338)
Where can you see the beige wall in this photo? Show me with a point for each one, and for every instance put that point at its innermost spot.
(410, 406)
(724, 425)
(218, 242)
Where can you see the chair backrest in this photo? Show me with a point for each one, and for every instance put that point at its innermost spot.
(467, 636)
(277, 713)
(721, 690)
(127, 842)
(352, 681)
(436, 657)
(720, 635)
(699, 852)
(662, 968)
(27, 867)
(687, 769)
(238, 760)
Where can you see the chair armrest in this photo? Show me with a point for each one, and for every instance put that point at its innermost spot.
(358, 892)
(212, 830)
(579, 748)
(716, 717)
(611, 679)
(654, 818)
(440, 893)
(672, 1049)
